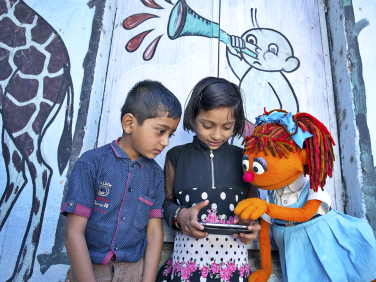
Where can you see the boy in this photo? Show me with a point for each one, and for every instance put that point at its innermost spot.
(115, 194)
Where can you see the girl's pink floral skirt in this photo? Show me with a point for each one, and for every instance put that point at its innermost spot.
(215, 258)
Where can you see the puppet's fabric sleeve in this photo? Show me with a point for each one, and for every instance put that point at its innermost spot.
(169, 204)
(322, 196)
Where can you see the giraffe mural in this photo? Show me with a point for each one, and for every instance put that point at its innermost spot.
(35, 84)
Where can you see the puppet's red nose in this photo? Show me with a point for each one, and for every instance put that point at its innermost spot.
(248, 177)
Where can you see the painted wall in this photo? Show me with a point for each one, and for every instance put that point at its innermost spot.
(43, 74)
(66, 68)
(180, 62)
(351, 35)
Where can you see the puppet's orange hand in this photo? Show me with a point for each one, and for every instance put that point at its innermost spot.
(261, 275)
(251, 208)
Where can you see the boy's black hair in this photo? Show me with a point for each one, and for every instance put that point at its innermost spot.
(214, 92)
(150, 99)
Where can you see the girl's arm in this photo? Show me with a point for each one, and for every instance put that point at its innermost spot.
(169, 204)
(77, 250)
(154, 235)
(252, 191)
(187, 218)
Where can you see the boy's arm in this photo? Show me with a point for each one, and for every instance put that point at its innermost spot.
(77, 250)
(154, 235)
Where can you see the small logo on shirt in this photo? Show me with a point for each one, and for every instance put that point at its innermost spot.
(104, 189)
(96, 203)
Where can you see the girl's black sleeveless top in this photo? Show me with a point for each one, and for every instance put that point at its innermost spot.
(195, 172)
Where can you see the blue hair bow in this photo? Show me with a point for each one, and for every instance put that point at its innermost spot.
(282, 118)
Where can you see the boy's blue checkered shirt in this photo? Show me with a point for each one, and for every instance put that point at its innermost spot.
(118, 197)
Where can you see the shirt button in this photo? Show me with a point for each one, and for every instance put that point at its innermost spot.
(285, 202)
(115, 248)
(130, 189)
(132, 165)
(123, 218)
(71, 204)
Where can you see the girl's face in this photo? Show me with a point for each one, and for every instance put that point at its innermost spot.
(214, 127)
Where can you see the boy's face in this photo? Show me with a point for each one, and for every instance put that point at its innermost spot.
(150, 138)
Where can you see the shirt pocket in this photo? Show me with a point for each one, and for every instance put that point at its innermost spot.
(144, 206)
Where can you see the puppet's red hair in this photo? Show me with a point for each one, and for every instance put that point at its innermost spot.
(275, 139)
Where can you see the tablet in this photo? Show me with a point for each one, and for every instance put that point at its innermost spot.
(225, 229)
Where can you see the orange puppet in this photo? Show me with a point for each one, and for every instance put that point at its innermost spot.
(316, 243)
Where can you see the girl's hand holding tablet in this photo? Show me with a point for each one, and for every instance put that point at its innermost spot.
(252, 225)
(187, 218)
(188, 221)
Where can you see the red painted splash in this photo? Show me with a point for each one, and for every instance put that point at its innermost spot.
(150, 50)
(135, 20)
(135, 42)
(151, 4)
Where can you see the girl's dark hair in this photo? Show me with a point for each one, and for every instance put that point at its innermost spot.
(210, 93)
(150, 99)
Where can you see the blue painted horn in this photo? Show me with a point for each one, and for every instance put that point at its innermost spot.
(184, 21)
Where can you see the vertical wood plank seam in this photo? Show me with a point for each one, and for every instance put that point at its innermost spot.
(331, 104)
(105, 80)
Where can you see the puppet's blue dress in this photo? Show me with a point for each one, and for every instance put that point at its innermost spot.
(331, 247)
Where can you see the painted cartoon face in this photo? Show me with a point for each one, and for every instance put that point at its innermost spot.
(274, 50)
(269, 172)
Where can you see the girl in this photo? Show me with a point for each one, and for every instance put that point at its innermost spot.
(204, 183)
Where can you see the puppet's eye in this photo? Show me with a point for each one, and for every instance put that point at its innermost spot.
(259, 165)
(245, 163)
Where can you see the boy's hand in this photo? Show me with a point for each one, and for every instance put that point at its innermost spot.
(252, 225)
(237, 43)
(187, 218)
